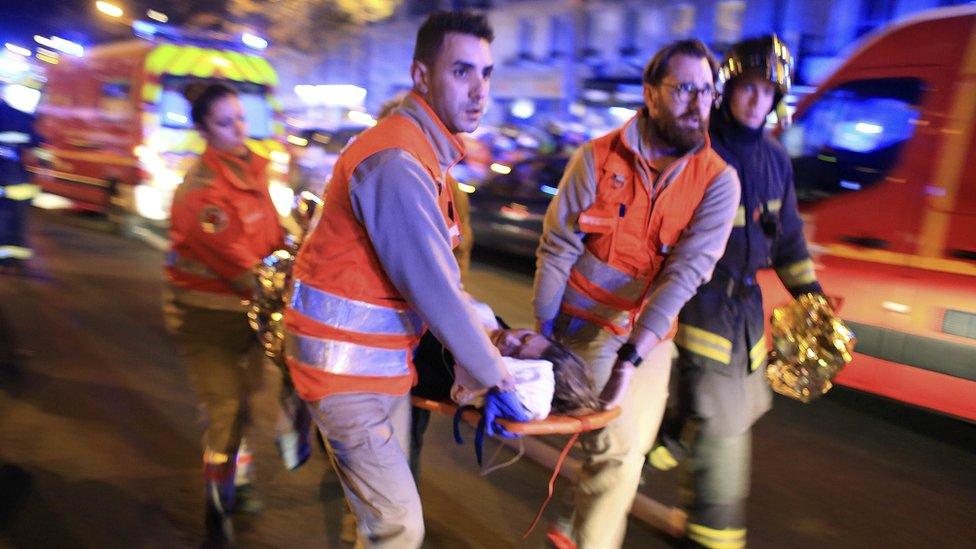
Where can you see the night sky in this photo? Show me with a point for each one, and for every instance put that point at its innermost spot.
(78, 20)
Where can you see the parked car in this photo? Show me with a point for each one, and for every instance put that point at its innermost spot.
(313, 155)
(508, 208)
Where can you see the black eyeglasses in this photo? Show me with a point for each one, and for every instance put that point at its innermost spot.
(685, 91)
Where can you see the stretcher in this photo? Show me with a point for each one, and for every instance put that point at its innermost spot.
(552, 425)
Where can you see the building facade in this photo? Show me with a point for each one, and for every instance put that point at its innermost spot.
(554, 56)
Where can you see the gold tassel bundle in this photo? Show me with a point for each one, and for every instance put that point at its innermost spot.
(810, 345)
(267, 313)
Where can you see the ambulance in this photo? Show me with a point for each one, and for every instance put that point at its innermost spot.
(884, 160)
(117, 131)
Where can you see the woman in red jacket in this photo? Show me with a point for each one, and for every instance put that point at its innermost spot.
(223, 223)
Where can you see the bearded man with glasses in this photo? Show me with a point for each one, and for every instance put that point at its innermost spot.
(641, 216)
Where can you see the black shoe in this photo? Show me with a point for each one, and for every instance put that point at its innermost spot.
(219, 505)
(220, 528)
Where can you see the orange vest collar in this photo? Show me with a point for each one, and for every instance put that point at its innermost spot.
(244, 173)
(454, 139)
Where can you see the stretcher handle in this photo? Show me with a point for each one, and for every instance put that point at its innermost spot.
(552, 425)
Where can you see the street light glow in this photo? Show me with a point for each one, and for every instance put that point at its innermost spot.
(61, 45)
(67, 46)
(143, 28)
(14, 48)
(108, 9)
(157, 16)
(254, 41)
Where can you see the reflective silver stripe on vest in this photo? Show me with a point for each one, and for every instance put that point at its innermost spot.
(609, 278)
(340, 357)
(353, 315)
(189, 266)
(612, 315)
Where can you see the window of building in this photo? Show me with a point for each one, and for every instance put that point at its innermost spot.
(526, 38)
(631, 33)
(728, 21)
(682, 20)
(852, 136)
(560, 38)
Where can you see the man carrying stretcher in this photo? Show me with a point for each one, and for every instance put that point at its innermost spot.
(378, 268)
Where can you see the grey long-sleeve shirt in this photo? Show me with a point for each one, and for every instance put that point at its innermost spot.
(395, 199)
(689, 265)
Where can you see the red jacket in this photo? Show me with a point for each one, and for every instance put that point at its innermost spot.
(223, 223)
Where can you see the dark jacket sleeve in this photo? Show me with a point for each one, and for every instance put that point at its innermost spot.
(789, 253)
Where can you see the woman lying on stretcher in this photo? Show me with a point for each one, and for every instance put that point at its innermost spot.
(549, 377)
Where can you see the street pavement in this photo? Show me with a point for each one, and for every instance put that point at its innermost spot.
(100, 435)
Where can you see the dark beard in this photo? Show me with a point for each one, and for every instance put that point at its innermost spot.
(683, 140)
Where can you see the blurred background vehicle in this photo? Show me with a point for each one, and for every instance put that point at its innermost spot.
(882, 155)
(508, 208)
(117, 130)
(313, 153)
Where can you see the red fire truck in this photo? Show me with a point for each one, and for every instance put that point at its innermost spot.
(884, 156)
(117, 130)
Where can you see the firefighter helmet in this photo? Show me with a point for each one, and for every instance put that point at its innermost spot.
(766, 56)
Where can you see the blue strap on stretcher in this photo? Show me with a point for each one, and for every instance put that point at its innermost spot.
(479, 432)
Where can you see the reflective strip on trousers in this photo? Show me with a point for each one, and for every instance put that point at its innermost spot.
(189, 266)
(15, 252)
(704, 343)
(343, 358)
(610, 279)
(796, 274)
(731, 538)
(352, 315)
(757, 355)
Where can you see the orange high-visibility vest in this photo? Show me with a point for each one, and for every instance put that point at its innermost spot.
(348, 328)
(629, 232)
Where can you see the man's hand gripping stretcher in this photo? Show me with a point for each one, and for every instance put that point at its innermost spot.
(551, 393)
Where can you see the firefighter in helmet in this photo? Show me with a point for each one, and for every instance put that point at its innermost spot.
(722, 350)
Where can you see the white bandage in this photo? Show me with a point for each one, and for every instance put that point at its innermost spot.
(534, 386)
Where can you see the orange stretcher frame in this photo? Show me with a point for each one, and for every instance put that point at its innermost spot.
(552, 425)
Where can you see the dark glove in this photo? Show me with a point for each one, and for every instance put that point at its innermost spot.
(503, 405)
(616, 387)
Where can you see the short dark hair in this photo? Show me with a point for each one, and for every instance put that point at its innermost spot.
(202, 96)
(432, 31)
(575, 393)
(657, 69)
